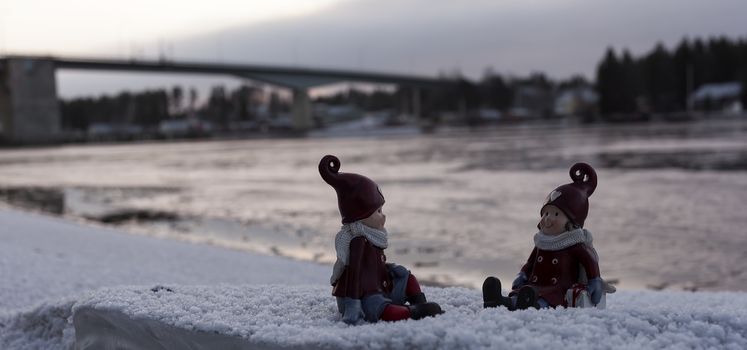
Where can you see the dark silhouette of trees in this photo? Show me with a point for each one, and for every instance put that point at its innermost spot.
(243, 102)
(662, 80)
(176, 99)
(218, 106)
(193, 95)
(151, 108)
(275, 105)
(659, 85)
(146, 109)
(376, 100)
(618, 83)
(495, 91)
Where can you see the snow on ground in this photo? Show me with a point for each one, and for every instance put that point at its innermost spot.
(43, 257)
(50, 268)
(305, 317)
(45, 263)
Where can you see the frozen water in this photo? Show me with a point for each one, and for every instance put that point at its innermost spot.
(668, 213)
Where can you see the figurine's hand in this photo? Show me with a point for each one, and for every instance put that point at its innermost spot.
(521, 279)
(595, 290)
(353, 311)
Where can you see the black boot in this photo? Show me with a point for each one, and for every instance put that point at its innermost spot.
(424, 310)
(491, 294)
(416, 299)
(526, 298)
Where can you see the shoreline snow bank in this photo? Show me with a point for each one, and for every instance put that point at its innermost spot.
(47, 264)
(45, 258)
(306, 317)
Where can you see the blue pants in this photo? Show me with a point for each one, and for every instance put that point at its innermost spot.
(373, 305)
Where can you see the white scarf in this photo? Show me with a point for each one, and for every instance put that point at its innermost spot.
(564, 240)
(342, 244)
(567, 239)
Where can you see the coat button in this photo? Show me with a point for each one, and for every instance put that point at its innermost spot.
(555, 261)
(534, 278)
(539, 258)
(384, 283)
(383, 258)
(554, 280)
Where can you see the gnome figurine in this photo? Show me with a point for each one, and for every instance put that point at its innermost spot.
(563, 267)
(366, 286)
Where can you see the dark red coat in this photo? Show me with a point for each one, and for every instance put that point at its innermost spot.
(366, 272)
(554, 272)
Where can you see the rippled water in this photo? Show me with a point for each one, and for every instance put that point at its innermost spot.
(669, 211)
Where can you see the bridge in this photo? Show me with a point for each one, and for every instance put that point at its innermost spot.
(29, 109)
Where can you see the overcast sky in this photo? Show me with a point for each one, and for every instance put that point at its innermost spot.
(424, 37)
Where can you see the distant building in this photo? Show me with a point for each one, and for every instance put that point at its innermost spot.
(721, 97)
(576, 101)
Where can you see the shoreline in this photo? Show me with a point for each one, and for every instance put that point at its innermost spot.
(44, 258)
(460, 206)
(244, 246)
(270, 250)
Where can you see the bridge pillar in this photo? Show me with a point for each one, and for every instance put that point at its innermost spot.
(29, 109)
(301, 109)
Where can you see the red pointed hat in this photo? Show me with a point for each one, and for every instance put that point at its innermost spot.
(357, 196)
(573, 198)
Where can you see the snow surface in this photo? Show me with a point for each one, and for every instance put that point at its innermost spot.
(50, 269)
(46, 263)
(306, 317)
(43, 257)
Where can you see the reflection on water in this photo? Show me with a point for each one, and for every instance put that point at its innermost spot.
(461, 205)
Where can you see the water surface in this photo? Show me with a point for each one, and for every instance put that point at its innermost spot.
(669, 211)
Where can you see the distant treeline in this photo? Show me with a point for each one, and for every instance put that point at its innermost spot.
(149, 108)
(661, 80)
(495, 91)
(142, 108)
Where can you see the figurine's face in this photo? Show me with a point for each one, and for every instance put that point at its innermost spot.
(553, 220)
(376, 220)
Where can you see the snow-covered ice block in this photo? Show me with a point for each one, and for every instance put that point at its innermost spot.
(305, 317)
